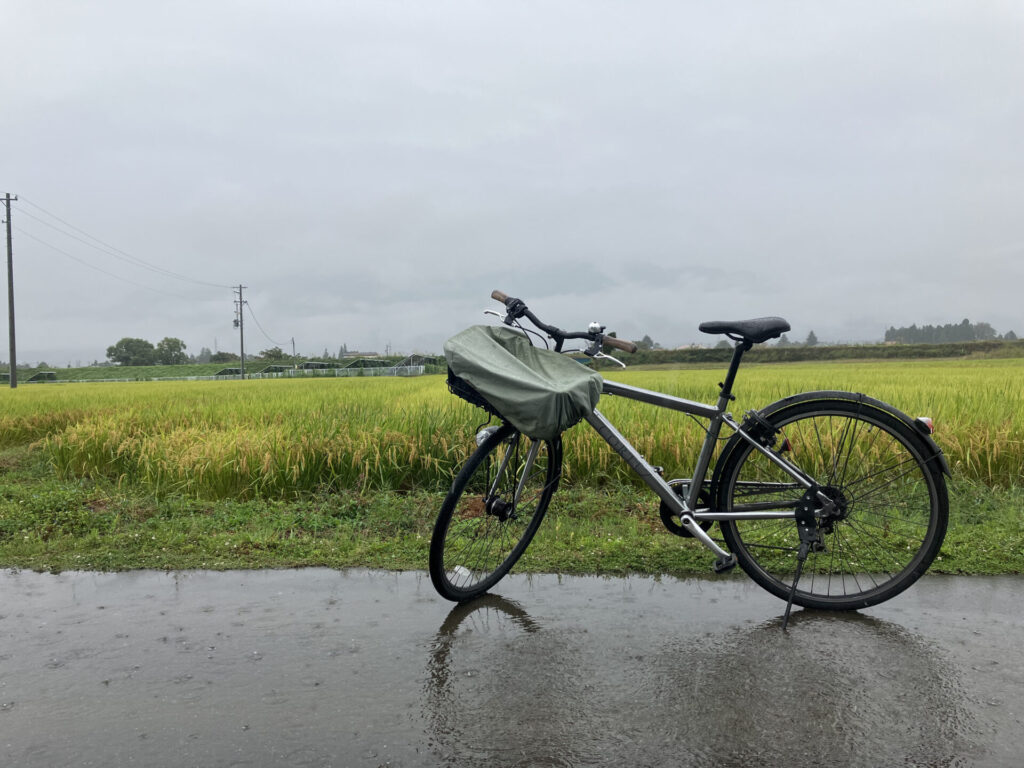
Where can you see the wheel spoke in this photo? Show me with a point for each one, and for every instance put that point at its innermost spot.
(482, 529)
(886, 521)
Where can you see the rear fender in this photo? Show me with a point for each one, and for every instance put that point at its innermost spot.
(920, 430)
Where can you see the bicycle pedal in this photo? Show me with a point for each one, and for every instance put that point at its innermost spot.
(724, 564)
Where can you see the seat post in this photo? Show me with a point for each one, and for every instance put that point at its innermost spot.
(726, 392)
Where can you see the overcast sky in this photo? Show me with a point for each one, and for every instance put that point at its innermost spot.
(372, 170)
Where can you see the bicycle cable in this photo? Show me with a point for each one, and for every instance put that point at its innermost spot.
(528, 330)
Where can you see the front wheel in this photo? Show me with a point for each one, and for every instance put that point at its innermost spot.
(492, 511)
(888, 516)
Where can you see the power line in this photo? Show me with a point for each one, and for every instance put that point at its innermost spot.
(104, 250)
(99, 269)
(110, 250)
(276, 343)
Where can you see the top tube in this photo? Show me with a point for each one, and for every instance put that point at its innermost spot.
(660, 399)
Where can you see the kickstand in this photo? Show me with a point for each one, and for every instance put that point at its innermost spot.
(800, 558)
(810, 539)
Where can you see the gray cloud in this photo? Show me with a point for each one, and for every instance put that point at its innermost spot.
(372, 170)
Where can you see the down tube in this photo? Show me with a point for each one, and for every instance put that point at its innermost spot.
(631, 456)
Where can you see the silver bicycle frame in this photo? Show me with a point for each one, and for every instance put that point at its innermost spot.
(689, 514)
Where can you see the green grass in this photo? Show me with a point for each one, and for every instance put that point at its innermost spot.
(281, 473)
(134, 372)
(146, 372)
(52, 524)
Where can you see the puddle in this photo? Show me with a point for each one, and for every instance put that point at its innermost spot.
(349, 668)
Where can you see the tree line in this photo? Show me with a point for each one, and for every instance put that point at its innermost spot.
(965, 330)
(129, 351)
(951, 333)
(171, 351)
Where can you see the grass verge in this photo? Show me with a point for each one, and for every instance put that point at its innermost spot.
(53, 525)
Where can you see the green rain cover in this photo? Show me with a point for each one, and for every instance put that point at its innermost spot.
(540, 392)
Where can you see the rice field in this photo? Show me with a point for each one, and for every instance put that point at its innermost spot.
(290, 438)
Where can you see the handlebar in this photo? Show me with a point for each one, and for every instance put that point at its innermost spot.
(516, 308)
(627, 346)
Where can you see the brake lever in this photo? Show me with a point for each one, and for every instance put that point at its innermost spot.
(514, 308)
(603, 356)
(492, 312)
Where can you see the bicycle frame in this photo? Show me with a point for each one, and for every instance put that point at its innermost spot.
(718, 416)
(868, 523)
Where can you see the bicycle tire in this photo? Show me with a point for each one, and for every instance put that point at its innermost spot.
(482, 529)
(891, 519)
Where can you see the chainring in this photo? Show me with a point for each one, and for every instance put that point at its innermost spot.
(668, 516)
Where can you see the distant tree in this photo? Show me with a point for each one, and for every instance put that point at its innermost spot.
(1010, 336)
(204, 355)
(723, 344)
(784, 341)
(812, 340)
(940, 334)
(984, 332)
(273, 354)
(647, 343)
(130, 351)
(171, 351)
(224, 357)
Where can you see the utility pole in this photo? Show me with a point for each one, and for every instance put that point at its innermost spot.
(10, 293)
(240, 325)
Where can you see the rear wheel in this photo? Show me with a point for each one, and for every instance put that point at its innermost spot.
(492, 512)
(888, 516)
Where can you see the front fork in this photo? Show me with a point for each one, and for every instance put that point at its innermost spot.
(494, 504)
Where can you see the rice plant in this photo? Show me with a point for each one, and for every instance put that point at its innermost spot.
(290, 438)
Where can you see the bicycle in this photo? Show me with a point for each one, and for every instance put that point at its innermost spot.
(828, 499)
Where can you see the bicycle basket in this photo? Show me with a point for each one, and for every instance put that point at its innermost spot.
(462, 388)
(540, 392)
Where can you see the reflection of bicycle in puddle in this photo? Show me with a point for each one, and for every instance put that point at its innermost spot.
(846, 689)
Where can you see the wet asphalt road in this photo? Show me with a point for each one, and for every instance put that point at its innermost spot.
(357, 668)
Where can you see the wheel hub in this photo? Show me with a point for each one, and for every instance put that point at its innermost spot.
(499, 508)
(827, 515)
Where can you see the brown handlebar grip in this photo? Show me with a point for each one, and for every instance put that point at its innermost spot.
(622, 344)
(499, 296)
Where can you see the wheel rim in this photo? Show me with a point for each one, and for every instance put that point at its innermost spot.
(876, 540)
(496, 514)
